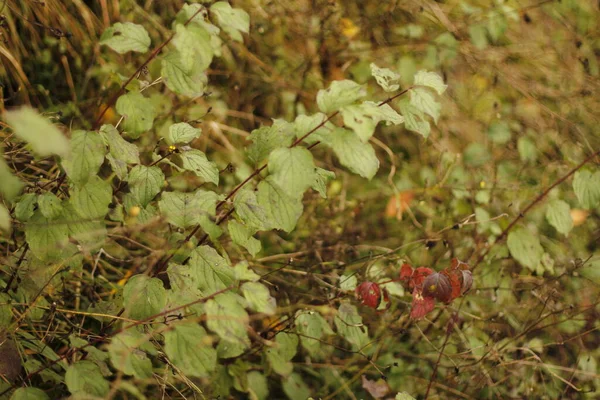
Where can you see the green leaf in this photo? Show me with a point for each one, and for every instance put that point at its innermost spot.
(268, 138)
(121, 151)
(292, 169)
(183, 209)
(50, 205)
(11, 186)
(525, 247)
(92, 199)
(90, 233)
(295, 388)
(189, 348)
(242, 236)
(243, 273)
(25, 207)
(85, 378)
(349, 325)
(86, 156)
(232, 20)
(258, 297)
(226, 316)
(322, 176)
(193, 44)
(145, 183)
(213, 272)
(247, 208)
(282, 210)
(46, 237)
(282, 352)
(404, 396)
(312, 327)
(29, 393)
(478, 35)
(363, 118)
(386, 78)
(126, 356)
(257, 385)
(124, 37)
(5, 220)
(586, 185)
(423, 100)
(182, 132)
(355, 155)
(189, 82)
(144, 297)
(196, 161)
(558, 215)
(414, 119)
(304, 124)
(43, 137)
(139, 113)
(339, 94)
(527, 149)
(499, 132)
(430, 80)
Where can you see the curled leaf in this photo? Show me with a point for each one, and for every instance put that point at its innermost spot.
(438, 286)
(467, 281)
(369, 294)
(421, 305)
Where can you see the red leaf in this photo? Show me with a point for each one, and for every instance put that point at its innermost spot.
(421, 306)
(456, 281)
(438, 286)
(457, 264)
(369, 294)
(419, 276)
(406, 272)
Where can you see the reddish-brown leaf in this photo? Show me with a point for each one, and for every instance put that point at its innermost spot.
(467, 281)
(438, 286)
(421, 306)
(369, 294)
(376, 389)
(456, 280)
(419, 276)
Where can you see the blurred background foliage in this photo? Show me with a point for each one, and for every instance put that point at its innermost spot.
(521, 110)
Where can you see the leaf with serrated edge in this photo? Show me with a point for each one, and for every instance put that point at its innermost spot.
(87, 152)
(125, 37)
(353, 154)
(282, 210)
(189, 348)
(339, 94)
(292, 169)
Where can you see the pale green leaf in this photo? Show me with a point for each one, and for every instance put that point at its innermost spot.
(268, 138)
(182, 209)
(527, 149)
(304, 124)
(25, 207)
(125, 37)
(225, 315)
(363, 118)
(46, 237)
(586, 185)
(145, 183)
(213, 271)
(525, 247)
(257, 385)
(86, 232)
(234, 21)
(144, 297)
(138, 112)
(189, 348)
(348, 282)
(86, 156)
(247, 208)
(43, 136)
(322, 176)
(478, 35)
(29, 393)
(349, 325)
(50, 205)
(10, 185)
(189, 82)
(242, 236)
(430, 80)
(85, 378)
(120, 149)
(386, 78)
(558, 214)
(404, 396)
(244, 273)
(193, 44)
(182, 132)
(339, 94)
(423, 100)
(92, 199)
(126, 356)
(282, 210)
(5, 221)
(414, 119)
(282, 352)
(355, 155)
(295, 388)
(499, 132)
(196, 161)
(312, 327)
(293, 170)
(258, 297)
